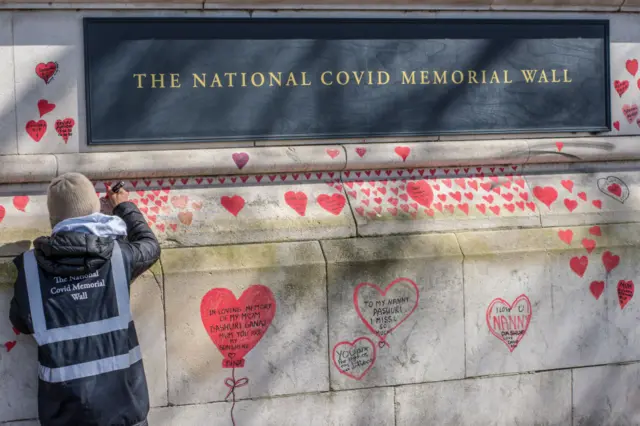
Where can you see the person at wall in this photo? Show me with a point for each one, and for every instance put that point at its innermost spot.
(72, 295)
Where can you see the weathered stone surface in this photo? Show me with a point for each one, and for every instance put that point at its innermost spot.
(362, 407)
(426, 272)
(606, 395)
(230, 161)
(577, 317)
(18, 358)
(611, 5)
(540, 399)
(435, 154)
(291, 356)
(566, 150)
(32, 168)
(147, 307)
(22, 218)
(625, 92)
(45, 38)
(8, 138)
(580, 194)
(439, 199)
(337, 4)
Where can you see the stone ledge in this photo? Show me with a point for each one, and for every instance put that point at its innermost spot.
(252, 256)
(483, 243)
(305, 158)
(27, 169)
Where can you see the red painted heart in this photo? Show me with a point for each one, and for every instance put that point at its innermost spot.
(3, 212)
(382, 311)
(241, 159)
(232, 204)
(236, 325)
(44, 107)
(332, 203)
(547, 195)
(630, 112)
(420, 191)
(610, 261)
(354, 359)
(297, 201)
(597, 288)
(621, 86)
(509, 322)
(579, 265)
(20, 202)
(566, 235)
(64, 128)
(10, 345)
(632, 66)
(36, 129)
(403, 152)
(46, 71)
(625, 292)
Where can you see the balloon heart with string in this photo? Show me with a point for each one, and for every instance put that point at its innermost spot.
(236, 325)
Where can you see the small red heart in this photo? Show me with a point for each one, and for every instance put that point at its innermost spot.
(597, 204)
(566, 235)
(36, 129)
(579, 265)
(589, 245)
(595, 230)
(616, 125)
(20, 202)
(46, 71)
(571, 205)
(597, 287)
(625, 292)
(582, 196)
(559, 145)
(361, 151)
(44, 107)
(333, 153)
(632, 66)
(568, 184)
(10, 345)
(610, 261)
(621, 86)
(615, 189)
(403, 152)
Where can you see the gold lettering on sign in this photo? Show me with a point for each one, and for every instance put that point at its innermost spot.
(385, 74)
(342, 78)
(277, 79)
(291, 81)
(566, 77)
(543, 75)
(230, 76)
(244, 79)
(199, 80)
(175, 81)
(408, 79)
(253, 79)
(506, 77)
(553, 77)
(159, 80)
(460, 76)
(529, 75)
(139, 77)
(323, 79)
(358, 77)
(216, 80)
(472, 77)
(440, 79)
(304, 80)
(494, 76)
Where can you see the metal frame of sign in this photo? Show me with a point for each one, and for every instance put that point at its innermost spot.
(469, 22)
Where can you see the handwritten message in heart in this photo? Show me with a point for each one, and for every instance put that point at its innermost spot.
(354, 359)
(36, 129)
(47, 71)
(625, 292)
(382, 311)
(509, 323)
(236, 326)
(614, 187)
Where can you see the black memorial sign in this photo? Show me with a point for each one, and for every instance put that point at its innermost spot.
(193, 80)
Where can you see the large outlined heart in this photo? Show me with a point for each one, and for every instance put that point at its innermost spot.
(237, 325)
(382, 311)
(506, 325)
(356, 358)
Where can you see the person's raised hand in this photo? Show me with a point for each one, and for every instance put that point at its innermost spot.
(116, 198)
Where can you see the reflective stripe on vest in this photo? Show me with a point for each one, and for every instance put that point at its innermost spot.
(44, 336)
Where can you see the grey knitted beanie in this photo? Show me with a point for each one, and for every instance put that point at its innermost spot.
(71, 195)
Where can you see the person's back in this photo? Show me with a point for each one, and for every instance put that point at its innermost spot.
(72, 294)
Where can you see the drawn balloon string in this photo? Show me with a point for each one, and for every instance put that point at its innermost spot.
(236, 326)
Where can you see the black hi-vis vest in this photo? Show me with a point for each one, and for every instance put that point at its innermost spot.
(63, 332)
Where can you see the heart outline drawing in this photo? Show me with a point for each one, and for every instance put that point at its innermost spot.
(610, 186)
(353, 344)
(383, 293)
(517, 300)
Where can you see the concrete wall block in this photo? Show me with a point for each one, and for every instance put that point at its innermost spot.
(147, 306)
(23, 217)
(565, 150)
(18, 358)
(48, 65)
(8, 137)
(34, 168)
(291, 355)
(625, 90)
(582, 194)
(540, 399)
(439, 199)
(548, 304)
(413, 299)
(606, 395)
(362, 407)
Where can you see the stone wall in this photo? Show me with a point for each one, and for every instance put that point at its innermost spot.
(473, 280)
